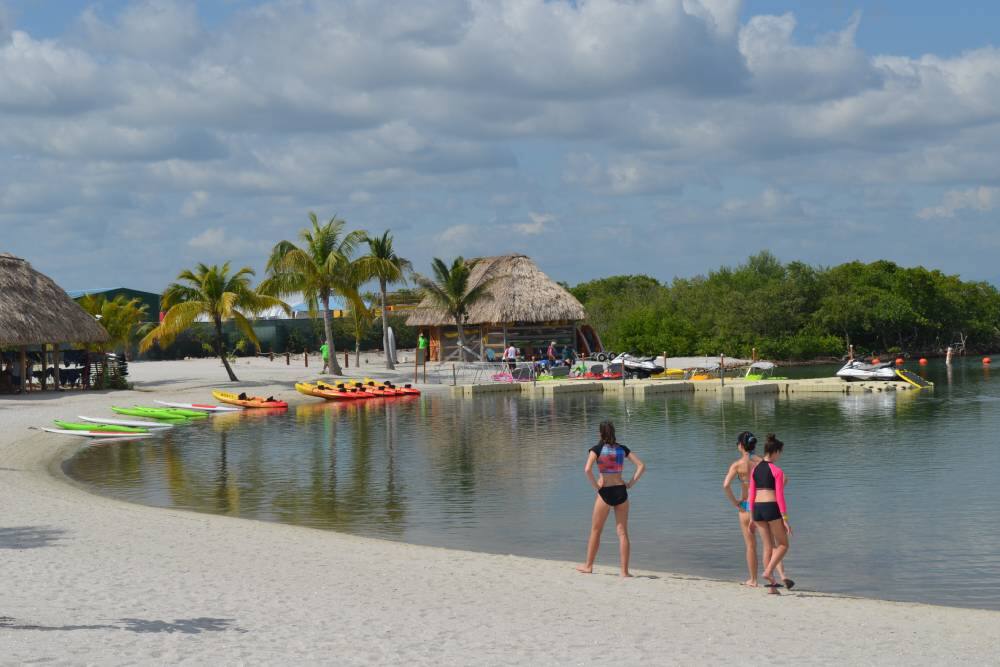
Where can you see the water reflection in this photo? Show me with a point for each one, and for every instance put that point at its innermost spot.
(887, 487)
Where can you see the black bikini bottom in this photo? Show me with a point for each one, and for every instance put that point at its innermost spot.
(766, 512)
(613, 495)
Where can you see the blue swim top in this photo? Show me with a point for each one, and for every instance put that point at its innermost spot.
(611, 458)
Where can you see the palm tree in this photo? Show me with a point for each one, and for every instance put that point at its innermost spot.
(450, 290)
(382, 263)
(215, 293)
(121, 317)
(316, 269)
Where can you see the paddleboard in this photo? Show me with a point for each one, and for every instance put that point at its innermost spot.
(391, 342)
(152, 426)
(103, 428)
(203, 407)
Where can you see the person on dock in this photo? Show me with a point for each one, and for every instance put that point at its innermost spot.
(510, 356)
(422, 348)
(612, 492)
(766, 500)
(740, 469)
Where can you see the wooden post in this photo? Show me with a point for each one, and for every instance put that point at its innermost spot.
(722, 369)
(45, 365)
(271, 355)
(305, 355)
(24, 370)
(753, 354)
(454, 376)
(347, 359)
(288, 358)
(55, 366)
(416, 366)
(425, 371)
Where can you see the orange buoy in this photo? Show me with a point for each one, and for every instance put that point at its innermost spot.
(900, 361)
(987, 361)
(923, 362)
(875, 360)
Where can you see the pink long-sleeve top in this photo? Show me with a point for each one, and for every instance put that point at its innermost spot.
(767, 475)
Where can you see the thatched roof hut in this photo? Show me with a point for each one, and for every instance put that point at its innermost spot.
(35, 311)
(520, 292)
(524, 307)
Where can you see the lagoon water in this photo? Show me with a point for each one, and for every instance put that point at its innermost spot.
(890, 495)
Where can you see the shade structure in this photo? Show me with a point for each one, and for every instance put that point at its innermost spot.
(519, 292)
(34, 310)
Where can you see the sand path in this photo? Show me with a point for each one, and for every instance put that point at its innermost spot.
(91, 580)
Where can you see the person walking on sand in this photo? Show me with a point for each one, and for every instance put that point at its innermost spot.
(740, 469)
(766, 500)
(422, 348)
(612, 492)
(324, 351)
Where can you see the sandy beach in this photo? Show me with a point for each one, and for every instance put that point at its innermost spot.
(91, 580)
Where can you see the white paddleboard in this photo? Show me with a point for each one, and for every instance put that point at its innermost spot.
(96, 434)
(152, 426)
(204, 407)
(392, 345)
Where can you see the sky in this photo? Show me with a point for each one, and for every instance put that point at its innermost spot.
(600, 137)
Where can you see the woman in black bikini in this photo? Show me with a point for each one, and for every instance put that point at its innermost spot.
(612, 491)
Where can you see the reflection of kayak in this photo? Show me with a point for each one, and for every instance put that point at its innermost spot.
(104, 428)
(338, 393)
(200, 407)
(95, 434)
(150, 426)
(249, 402)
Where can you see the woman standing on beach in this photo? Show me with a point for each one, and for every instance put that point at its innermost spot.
(740, 469)
(766, 500)
(612, 492)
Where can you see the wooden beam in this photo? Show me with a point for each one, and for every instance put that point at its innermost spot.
(45, 365)
(55, 366)
(24, 370)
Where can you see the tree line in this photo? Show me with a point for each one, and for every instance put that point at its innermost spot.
(794, 311)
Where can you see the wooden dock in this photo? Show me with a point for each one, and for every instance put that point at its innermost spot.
(733, 388)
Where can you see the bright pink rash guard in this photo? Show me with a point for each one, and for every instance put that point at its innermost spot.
(767, 475)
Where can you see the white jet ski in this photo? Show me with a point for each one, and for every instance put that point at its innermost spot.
(859, 371)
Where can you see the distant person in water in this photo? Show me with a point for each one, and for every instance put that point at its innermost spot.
(612, 492)
(766, 500)
(746, 443)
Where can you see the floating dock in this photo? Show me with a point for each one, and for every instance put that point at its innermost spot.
(735, 388)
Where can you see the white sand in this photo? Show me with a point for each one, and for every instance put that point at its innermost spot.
(90, 580)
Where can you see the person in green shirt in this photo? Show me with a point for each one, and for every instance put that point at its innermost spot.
(422, 347)
(325, 351)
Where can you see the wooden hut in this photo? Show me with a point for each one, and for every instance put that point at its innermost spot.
(35, 313)
(523, 306)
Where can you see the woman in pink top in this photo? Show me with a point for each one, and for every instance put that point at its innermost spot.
(766, 500)
(612, 491)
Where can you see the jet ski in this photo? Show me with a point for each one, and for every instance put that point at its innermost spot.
(638, 367)
(857, 370)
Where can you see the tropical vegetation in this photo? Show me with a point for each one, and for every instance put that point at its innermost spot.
(794, 310)
(217, 294)
(451, 290)
(121, 317)
(384, 265)
(318, 269)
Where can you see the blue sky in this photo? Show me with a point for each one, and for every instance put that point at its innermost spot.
(658, 136)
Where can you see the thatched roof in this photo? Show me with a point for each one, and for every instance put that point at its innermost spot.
(34, 310)
(520, 292)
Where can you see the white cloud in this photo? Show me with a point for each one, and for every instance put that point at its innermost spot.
(193, 205)
(213, 238)
(977, 199)
(538, 224)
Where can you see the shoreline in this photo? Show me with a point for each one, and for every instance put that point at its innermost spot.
(139, 583)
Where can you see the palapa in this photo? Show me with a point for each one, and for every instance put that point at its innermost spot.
(518, 292)
(34, 310)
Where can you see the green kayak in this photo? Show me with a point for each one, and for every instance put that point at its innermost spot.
(191, 414)
(151, 413)
(76, 426)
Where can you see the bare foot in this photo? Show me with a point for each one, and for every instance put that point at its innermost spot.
(626, 574)
(752, 583)
(770, 578)
(585, 569)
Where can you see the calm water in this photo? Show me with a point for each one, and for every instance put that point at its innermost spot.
(891, 495)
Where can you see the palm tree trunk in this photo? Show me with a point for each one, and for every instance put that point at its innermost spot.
(461, 338)
(385, 328)
(357, 352)
(335, 368)
(220, 349)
